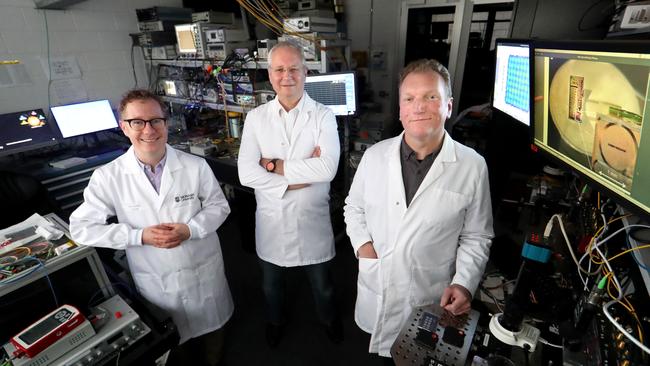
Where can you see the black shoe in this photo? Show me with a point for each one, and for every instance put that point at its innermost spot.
(274, 334)
(335, 331)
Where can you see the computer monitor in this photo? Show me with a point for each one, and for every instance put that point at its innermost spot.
(337, 91)
(185, 38)
(24, 131)
(512, 79)
(590, 105)
(84, 118)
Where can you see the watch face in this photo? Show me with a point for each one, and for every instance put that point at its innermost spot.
(270, 166)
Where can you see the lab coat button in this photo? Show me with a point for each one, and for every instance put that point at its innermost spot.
(397, 203)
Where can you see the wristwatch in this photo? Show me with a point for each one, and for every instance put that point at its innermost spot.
(270, 166)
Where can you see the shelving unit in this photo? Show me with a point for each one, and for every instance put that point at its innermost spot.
(322, 66)
(326, 63)
(312, 65)
(219, 106)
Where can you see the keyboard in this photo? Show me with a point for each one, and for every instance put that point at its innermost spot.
(68, 163)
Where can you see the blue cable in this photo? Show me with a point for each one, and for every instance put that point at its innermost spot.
(32, 270)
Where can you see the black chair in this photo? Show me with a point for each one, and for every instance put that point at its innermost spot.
(21, 196)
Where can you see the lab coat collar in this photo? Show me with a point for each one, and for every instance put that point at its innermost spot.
(133, 166)
(279, 108)
(171, 165)
(447, 152)
(446, 155)
(306, 107)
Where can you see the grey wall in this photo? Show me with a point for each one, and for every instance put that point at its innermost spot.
(94, 31)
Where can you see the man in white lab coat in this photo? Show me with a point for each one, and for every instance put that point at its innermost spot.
(418, 213)
(289, 154)
(168, 206)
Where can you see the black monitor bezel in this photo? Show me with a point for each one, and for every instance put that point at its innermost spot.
(623, 46)
(528, 42)
(35, 146)
(356, 89)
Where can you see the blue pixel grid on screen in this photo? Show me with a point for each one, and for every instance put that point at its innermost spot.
(517, 85)
(512, 80)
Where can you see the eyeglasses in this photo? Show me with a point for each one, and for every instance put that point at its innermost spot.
(139, 124)
(291, 70)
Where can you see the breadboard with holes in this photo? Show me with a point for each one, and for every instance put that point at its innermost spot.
(433, 336)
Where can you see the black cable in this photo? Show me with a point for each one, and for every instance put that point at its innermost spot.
(527, 354)
(135, 77)
(49, 63)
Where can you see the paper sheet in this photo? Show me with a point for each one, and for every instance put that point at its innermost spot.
(68, 91)
(62, 67)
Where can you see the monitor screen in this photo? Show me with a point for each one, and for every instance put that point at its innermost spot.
(512, 79)
(185, 38)
(337, 91)
(590, 103)
(83, 118)
(26, 130)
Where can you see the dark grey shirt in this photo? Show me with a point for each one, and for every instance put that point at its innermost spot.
(414, 170)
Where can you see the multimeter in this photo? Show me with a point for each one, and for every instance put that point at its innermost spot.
(46, 331)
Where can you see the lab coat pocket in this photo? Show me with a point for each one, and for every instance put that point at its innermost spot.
(428, 283)
(368, 293)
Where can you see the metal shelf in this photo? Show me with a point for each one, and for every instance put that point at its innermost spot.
(321, 66)
(311, 65)
(229, 108)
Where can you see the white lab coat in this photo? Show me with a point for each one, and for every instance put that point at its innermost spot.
(189, 280)
(293, 227)
(443, 236)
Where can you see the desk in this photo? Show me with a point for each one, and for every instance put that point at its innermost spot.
(243, 202)
(64, 186)
(224, 165)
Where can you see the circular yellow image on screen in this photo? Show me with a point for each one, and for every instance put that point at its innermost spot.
(579, 91)
(616, 146)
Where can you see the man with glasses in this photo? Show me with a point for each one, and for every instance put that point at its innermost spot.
(168, 206)
(289, 153)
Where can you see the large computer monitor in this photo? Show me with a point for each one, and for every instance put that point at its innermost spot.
(512, 79)
(336, 91)
(590, 106)
(84, 118)
(24, 131)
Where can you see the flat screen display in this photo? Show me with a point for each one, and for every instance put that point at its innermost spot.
(24, 131)
(512, 79)
(590, 107)
(84, 118)
(337, 91)
(185, 38)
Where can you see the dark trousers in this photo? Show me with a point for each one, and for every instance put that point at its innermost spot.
(274, 286)
(204, 350)
(377, 360)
